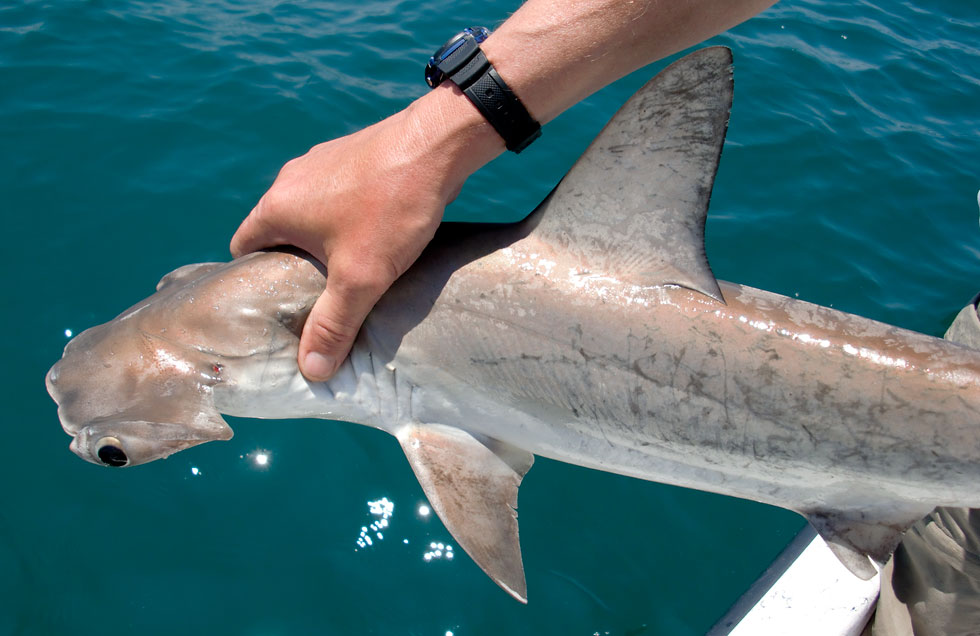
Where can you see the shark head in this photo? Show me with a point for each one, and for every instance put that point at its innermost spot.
(141, 386)
(127, 397)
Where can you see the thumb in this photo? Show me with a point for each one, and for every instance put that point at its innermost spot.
(332, 325)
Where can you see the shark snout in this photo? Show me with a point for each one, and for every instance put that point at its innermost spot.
(107, 450)
(54, 390)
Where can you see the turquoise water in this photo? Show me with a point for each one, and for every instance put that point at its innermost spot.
(135, 136)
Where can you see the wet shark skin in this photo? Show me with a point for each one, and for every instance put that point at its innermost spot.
(801, 403)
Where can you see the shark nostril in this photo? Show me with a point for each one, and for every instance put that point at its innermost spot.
(110, 453)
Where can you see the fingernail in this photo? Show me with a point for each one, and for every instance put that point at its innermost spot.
(317, 366)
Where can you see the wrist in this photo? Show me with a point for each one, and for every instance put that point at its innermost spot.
(455, 138)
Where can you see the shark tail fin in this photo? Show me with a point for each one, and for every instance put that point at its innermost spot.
(634, 205)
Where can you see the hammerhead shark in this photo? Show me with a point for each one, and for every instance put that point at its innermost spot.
(592, 332)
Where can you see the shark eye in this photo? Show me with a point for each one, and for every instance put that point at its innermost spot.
(110, 452)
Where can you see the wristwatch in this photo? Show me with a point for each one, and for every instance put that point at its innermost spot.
(462, 61)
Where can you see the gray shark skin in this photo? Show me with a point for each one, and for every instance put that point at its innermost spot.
(593, 332)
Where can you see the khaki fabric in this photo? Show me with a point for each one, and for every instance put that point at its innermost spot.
(931, 586)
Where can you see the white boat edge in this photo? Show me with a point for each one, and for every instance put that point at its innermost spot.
(806, 590)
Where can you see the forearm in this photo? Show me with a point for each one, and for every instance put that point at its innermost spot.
(554, 53)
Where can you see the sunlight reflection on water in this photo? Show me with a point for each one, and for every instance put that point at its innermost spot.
(383, 510)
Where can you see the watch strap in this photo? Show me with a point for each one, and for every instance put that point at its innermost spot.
(484, 87)
(504, 110)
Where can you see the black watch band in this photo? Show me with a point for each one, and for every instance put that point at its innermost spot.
(462, 61)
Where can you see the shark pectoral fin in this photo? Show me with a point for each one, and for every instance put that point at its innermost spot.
(634, 205)
(472, 484)
(186, 273)
(854, 536)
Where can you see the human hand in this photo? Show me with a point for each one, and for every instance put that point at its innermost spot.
(366, 205)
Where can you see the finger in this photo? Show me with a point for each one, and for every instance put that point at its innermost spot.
(333, 324)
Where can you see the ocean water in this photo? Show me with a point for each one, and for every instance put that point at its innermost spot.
(136, 134)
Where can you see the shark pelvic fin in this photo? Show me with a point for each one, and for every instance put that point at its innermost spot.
(854, 536)
(635, 203)
(472, 484)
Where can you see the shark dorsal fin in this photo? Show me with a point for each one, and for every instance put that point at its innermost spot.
(634, 205)
(472, 485)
